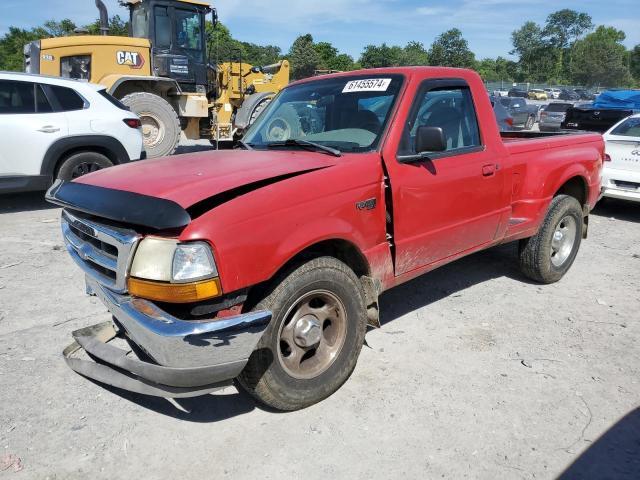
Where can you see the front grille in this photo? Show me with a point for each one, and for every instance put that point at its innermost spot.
(102, 251)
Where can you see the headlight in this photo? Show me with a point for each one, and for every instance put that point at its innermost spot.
(169, 271)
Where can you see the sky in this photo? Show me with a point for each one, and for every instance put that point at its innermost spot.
(352, 24)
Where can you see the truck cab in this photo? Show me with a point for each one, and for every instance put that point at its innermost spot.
(176, 31)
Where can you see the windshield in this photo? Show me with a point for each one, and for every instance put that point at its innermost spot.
(629, 128)
(345, 113)
(140, 23)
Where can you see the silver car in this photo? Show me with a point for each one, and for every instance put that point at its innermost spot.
(552, 116)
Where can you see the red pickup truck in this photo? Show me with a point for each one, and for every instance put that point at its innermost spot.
(264, 264)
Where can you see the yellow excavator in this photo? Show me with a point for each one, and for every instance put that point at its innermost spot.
(162, 73)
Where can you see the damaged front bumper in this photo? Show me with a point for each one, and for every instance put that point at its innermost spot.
(163, 355)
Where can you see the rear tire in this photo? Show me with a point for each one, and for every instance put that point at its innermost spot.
(529, 123)
(312, 344)
(549, 254)
(160, 123)
(81, 163)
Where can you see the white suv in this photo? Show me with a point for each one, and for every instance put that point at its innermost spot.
(58, 128)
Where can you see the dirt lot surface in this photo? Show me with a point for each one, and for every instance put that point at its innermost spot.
(476, 373)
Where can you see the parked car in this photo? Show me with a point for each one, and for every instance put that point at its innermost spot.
(501, 93)
(59, 128)
(585, 94)
(266, 264)
(566, 94)
(504, 119)
(621, 174)
(552, 93)
(608, 109)
(524, 115)
(517, 92)
(537, 94)
(553, 115)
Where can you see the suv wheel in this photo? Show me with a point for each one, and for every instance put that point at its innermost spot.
(82, 163)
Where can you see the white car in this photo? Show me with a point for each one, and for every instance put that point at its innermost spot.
(552, 93)
(59, 128)
(621, 174)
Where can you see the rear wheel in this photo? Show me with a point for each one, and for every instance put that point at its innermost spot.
(313, 342)
(548, 255)
(529, 124)
(160, 123)
(81, 163)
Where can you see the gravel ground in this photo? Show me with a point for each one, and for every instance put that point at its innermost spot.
(476, 373)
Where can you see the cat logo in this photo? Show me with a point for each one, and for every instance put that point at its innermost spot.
(132, 59)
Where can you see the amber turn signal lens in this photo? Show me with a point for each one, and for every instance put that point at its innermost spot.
(175, 292)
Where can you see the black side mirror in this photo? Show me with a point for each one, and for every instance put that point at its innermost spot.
(214, 17)
(430, 139)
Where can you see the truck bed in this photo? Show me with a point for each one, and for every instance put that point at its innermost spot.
(520, 142)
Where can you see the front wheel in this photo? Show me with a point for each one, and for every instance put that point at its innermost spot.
(160, 123)
(314, 339)
(549, 254)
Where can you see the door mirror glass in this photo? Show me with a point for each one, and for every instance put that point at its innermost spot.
(430, 139)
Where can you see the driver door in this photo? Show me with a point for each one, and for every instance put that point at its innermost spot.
(453, 201)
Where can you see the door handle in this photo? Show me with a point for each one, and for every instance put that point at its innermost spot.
(488, 170)
(49, 129)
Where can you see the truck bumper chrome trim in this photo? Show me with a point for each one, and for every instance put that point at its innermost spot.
(169, 357)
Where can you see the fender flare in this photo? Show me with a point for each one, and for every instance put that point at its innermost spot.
(243, 116)
(118, 154)
(168, 83)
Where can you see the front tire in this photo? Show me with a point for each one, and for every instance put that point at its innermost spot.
(81, 163)
(314, 339)
(160, 123)
(549, 254)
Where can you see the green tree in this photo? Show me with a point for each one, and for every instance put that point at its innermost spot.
(331, 59)
(377, 56)
(261, 54)
(222, 46)
(303, 57)
(11, 48)
(414, 53)
(634, 63)
(450, 49)
(117, 27)
(538, 60)
(566, 26)
(600, 59)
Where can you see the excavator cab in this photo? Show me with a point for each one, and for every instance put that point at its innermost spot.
(176, 30)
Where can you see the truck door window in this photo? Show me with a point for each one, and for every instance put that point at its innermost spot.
(163, 27)
(188, 31)
(448, 108)
(17, 97)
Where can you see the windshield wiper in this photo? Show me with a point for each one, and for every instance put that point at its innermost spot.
(294, 142)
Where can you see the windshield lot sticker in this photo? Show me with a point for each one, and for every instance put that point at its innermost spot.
(367, 85)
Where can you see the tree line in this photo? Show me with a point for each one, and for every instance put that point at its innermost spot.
(567, 49)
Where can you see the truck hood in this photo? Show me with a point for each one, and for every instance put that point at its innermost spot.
(194, 178)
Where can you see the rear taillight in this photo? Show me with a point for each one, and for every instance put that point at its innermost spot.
(509, 121)
(133, 122)
(543, 114)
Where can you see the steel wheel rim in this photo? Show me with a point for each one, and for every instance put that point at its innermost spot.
(84, 168)
(564, 236)
(153, 130)
(312, 334)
